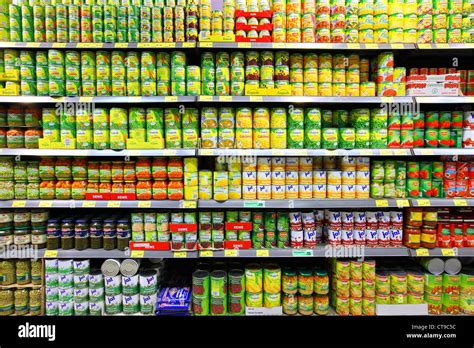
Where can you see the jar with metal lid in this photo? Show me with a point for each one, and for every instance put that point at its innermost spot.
(6, 218)
(21, 218)
(289, 281)
(6, 302)
(38, 237)
(36, 299)
(23, 272)
(81, 234)
(22, 235)
(33, 190)
(123, 234)
(67, 234)
(20, 190)
(411, 237)
(110, 234)
(6, 236)
(7, 189)
(32, 170)
(96, 233)
(7, 272)
(53, 234)
(39, 217)
(19, 171)
(428, 237)
(22, 302)
(36, 272)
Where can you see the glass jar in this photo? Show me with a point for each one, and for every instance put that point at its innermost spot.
(129, 171)
(117, 171)
(175, 190)
(305, 304)
(63, 168)
(63, 189)
(305, 282)
(22, 302)
(143, 190)
(81, 231)
(289, 281)
(428, 237)
(22, 236)
(36, 272)
(39, 217)
(123, 234)
(143, 168)
(19, 171)
(7, 299)
(6, 168)
(105, 171)
(48, 189)
(32, 116)
(78, 189)
(93, 187)
(105, 187)
(53, 234)
(46, 168)
(32, 171)
(67, 234)
(321, 282)
(175, 169)
(110, 234)
(7, 190)
(129, 187)
(3, 138)
(21, 218)
(411, 237)
(160, 190)
(23, 272)
(15, 138)
(33, 190)
(20, 190)
(93, 170)
(6, 236)
(96, 234)
(117, 187)
(35, 301)
(38, 237)
(8, 272)
(290, 304)
(32, 137)
(158, 169)
(6, 218)
(79, 169)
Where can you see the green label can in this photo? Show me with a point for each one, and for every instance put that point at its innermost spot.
(406, 138)
(425, 187)
(413, 188)
(431, 136)
(418, 138)
(393, 138)
(444, 138)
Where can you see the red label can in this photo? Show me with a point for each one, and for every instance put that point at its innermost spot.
(450, 170)
(461, 188)
(462, 171)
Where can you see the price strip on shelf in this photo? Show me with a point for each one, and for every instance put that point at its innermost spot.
(188, 44)
(205, 44)
(386, 152)
(277, 152)
(244, 45)
(171, 99)
(422, 252)
(231, 252)
(371, 46)
(255, 99)
(180, 254)
(400, 152)
(188, 204)
(170, 153)
(146, 204)
(302, 253)
(33, 44)
(278, 45)
(120, 45)
(59, 45)
(206, 253)
(395, 46)
(353, 46)
(381, 203)
(427, 152)
(225, 98)
(448, 251)
(45, 204)
(263, 253)
(89, 45)
(50, 254)
(205, 98)
(460, 202)
(254, 204)
(19, 204)
(423, 202)
(366, 152)
(402, 203)
(113, 204)
(88, 204)
(138, 254)
(85, 99)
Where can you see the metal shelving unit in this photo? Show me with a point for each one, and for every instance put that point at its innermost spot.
(442, 202)
(443, 152)
(97, 100)
(303, 152)
(70, 203)
(305, 46)
(301, 100)
(302, 203)
(98, 153)
(99, 45)
(442, 252)
(444, 100)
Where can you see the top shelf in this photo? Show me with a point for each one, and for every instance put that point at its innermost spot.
(240, 45)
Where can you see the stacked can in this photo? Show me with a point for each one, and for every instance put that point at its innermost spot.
(385, 72)
(73, 73)
(179, 27)
(113, 286)
(84, 133)
(103, 71)
(27, 73)
(244, 132)
(338, 20)
(50, 122)
(132, 63)
(378, 128)
(457, 179)
(88, 73)
(190, 128)
(101, 128)
(283, 64)
(39, 25)
(163, 63)
(308, 21)
(361, 122)
(74, 23)
(468, 129)
(118, 128)
(133, 23)
(271, 286)
(410, 22)
(381, 20)
(81, 287)
(278, 128)
(208, 74)
(218, 233)
(145, 24)
(312, 128)
(236, 298)
(157, 24)
(310, 74)
(62, 32)
(269, 223)
(148, 73)
(218, 295)
(293, 21)
(192, 21)
(97, 23)
(178, 73)
(15, 23)
(226, 136)
(168, 24)
(122, 24)
(253, 285)
(51, 281)
(209, 133)
(366, 21)
(67, 120)
(296, 74)
(205, 229)
(86, 23)
(279, 21)
(205, 19)
(130, 294)
(467, 27)
(191, 187)
(96, 293)
(222, 73)
(261, 127)
(258, 230)
(5, 21)
(201, 292)
(252, 69)
(27, 24)
(110, 23)
(118, 73)
(56, 73)
(352, 21)
(173, 128)
(66, 303)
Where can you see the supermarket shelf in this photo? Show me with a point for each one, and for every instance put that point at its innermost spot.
(443, 152)
(87, 253)
(304, 152)
(98, 45)
(97, 153)
(302, 203)
(444, 100)
(320, 251)
(298, 100)
(442, 252)
(98, 100)
(165, 204)
(448, 46)
(26, 286)
(442, 202)
(305, 46)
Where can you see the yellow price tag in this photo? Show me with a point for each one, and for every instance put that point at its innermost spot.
(206, 152)
(167, 45)
(401, 152)
(85, 99)
(225, 98)
(278, 153)
(244, 45)
(113, 204)
(170, 152)
(231, 252)
(145, 204)
(146, 45)
(366, 152)
(180, 254)
(427, 152)
(18, 204)
(171, 99)
(353, 46)
(205, 98)
(380, 203)
(206, 253)
(442, 45)
(139, 254)
(205, 44)
(88, 204)
(279, 45)
(121, 45)
(263, 253)
(385, 152)
(423, 202)
(460, 202)
(396, 45)
(371, 46)
(402, 203)
(45, 204)
(33, 44)
(50, 254)
(89, 45)
(59, 44)
(386, 99)
(188, 44)
(424, 46)
(422, 252)
(448, 252)
(256, 99)
(189, 204)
